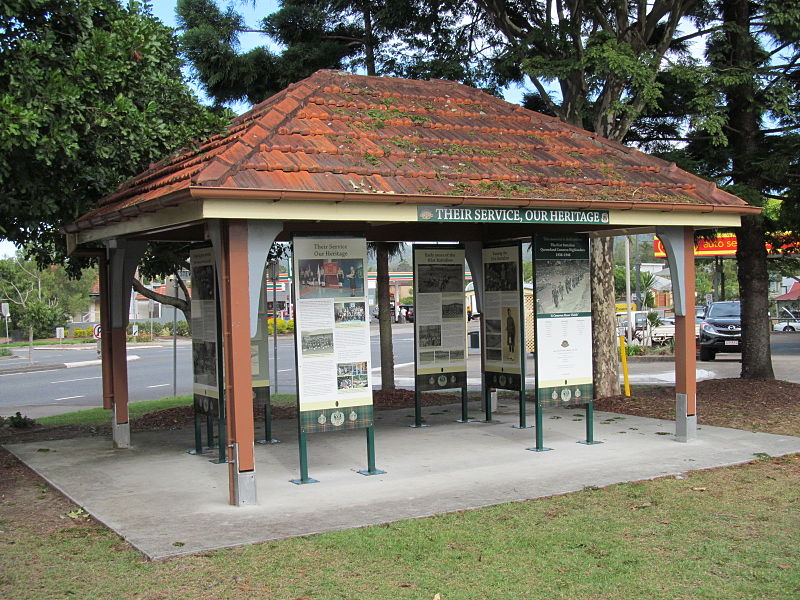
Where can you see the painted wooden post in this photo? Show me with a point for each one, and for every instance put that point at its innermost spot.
(679, 244)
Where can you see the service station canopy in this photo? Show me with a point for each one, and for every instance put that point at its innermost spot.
(399, 158)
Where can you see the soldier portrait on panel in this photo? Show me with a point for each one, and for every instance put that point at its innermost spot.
(511, 332)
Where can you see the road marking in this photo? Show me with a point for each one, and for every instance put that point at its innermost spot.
(159, 385)
(68, 398)
(80, 379)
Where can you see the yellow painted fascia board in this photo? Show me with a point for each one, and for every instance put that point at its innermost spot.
(626, 218)
(308, 210)
(164, 218)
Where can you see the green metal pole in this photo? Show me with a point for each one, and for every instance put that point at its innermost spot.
(198, 434)
(304, 478)
(210, 429)
(487, 398)
(371, 470)
(539, 429)
(222, 432)
(464, 407)
(417, 410)
(265, 395)
(589, 425)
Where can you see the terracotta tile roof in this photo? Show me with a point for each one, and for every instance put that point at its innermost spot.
(427, 141)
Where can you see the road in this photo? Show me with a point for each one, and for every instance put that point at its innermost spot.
(150, 374)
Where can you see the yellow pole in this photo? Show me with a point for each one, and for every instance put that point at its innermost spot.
(623, 355)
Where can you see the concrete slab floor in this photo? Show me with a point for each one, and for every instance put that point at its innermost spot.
(156, 495)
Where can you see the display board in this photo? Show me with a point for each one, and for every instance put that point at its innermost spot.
(332, 344)
(259, 344)
(563, 319)
(440, 318)
(504, 345)
(205, 341)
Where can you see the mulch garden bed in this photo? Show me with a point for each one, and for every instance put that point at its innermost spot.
(183, 416)
(755, 405)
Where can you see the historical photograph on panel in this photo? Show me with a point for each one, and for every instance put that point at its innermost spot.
(335, 278)
(493, 326)
(494, 354)
(511, 333)
(316, 342)
(453, 310)
(563, 286)
(427, 357)
(351, 376)
(493, 340)
(500, 276)
(349, 312)
(204, 357)
(430, 336)
(203, 282)
(440, 278)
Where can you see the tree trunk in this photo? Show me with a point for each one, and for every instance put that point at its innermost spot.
(384, 316)
(754, 291)
(604, 330)
(744, 134)
(369, 39)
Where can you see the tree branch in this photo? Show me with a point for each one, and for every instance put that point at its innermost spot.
(178, 303)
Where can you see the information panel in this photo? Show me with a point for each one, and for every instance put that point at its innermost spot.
(332, 342)
(504, 331)
(204, 323)
(440, 318)
(563, 319)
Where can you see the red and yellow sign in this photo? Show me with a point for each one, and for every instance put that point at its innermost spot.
(723, 245)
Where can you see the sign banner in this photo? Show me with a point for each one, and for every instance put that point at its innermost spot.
(204, 323)
(332, 344)
(479, 214)
(563, 319)
(504, 346)
(440, 318)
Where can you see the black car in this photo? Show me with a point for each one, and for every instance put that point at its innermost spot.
(721, 329)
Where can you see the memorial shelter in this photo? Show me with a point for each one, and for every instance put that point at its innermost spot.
(393, 160)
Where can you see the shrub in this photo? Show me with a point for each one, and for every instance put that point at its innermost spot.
(81, 332)
(20, 421)
(283, 326)
(634, 349)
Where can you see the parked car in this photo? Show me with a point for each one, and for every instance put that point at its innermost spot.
(721, 329)
(791, 324)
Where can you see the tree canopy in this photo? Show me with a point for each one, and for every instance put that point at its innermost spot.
(91, 92)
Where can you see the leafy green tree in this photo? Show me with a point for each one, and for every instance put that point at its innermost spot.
(91, 92)
(605, 58)
(42, 299)
(743, 108)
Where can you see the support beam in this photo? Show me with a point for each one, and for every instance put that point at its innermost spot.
(123, 257)
(239, 246)
(106, 357)
(679, 244)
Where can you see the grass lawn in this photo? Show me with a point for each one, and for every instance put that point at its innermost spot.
(728, 533)
(723, 533)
